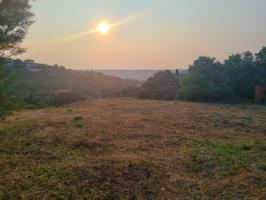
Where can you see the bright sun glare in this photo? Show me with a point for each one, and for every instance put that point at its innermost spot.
(104, 28)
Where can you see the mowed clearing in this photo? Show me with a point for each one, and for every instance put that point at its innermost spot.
(126, 149)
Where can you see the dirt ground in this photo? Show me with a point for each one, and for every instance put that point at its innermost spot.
(127, 149)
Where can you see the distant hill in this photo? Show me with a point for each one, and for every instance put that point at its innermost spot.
(41, 79)
(139, 75)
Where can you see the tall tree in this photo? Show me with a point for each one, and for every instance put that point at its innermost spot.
(242, 74)
(15, 19)
(261, 66)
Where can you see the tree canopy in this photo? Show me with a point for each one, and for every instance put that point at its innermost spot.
(210, 80)
(15, 20)
(206, 80)
(163, 85)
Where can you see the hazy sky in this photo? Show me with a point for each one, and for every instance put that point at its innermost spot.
(166, 34)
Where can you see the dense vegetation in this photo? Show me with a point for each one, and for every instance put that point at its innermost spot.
(22, 87)
(209, 80)
(163, 85)
(4, 90)
(15, 19)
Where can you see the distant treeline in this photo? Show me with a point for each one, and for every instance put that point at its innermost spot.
(35, 85)
(207, 80)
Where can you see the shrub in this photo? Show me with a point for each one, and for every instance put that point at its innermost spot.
(65, 97)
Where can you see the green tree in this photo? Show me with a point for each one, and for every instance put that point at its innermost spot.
(261, 56)
(163, 85)
(242, 73)
(205, 81)
(261, 66)
(5, 95)
(15, 19)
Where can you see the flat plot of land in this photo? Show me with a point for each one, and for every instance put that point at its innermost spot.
(134, 149)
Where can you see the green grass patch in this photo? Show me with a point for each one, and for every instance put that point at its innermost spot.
(226, 158)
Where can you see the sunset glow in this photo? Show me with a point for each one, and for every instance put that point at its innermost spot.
(142, 33)
(103, 28)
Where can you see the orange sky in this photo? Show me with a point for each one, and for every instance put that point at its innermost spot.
(166, 34)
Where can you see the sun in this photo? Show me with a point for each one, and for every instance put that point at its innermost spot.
(103, 28)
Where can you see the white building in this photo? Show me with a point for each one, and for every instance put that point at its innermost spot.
(32, 66)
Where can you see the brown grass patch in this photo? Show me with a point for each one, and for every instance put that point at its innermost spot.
(134, 149)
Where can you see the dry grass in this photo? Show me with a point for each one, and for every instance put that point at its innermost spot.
(132, 149)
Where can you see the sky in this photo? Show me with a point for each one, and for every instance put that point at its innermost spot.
(155, 34)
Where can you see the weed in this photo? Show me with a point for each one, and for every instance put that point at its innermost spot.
(78, 120)
(27, 185)
(130, 163)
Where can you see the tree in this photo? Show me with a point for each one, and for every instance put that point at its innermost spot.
(242, 74)
(163, 85)
(5, 97)
(15, 19)
(261, 66)
(206, 80)
(261, 56)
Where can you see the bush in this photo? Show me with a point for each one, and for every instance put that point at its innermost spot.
(33, 101)
(8, 104)
(65, 97)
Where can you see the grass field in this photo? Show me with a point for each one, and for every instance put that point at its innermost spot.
(128, 149)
